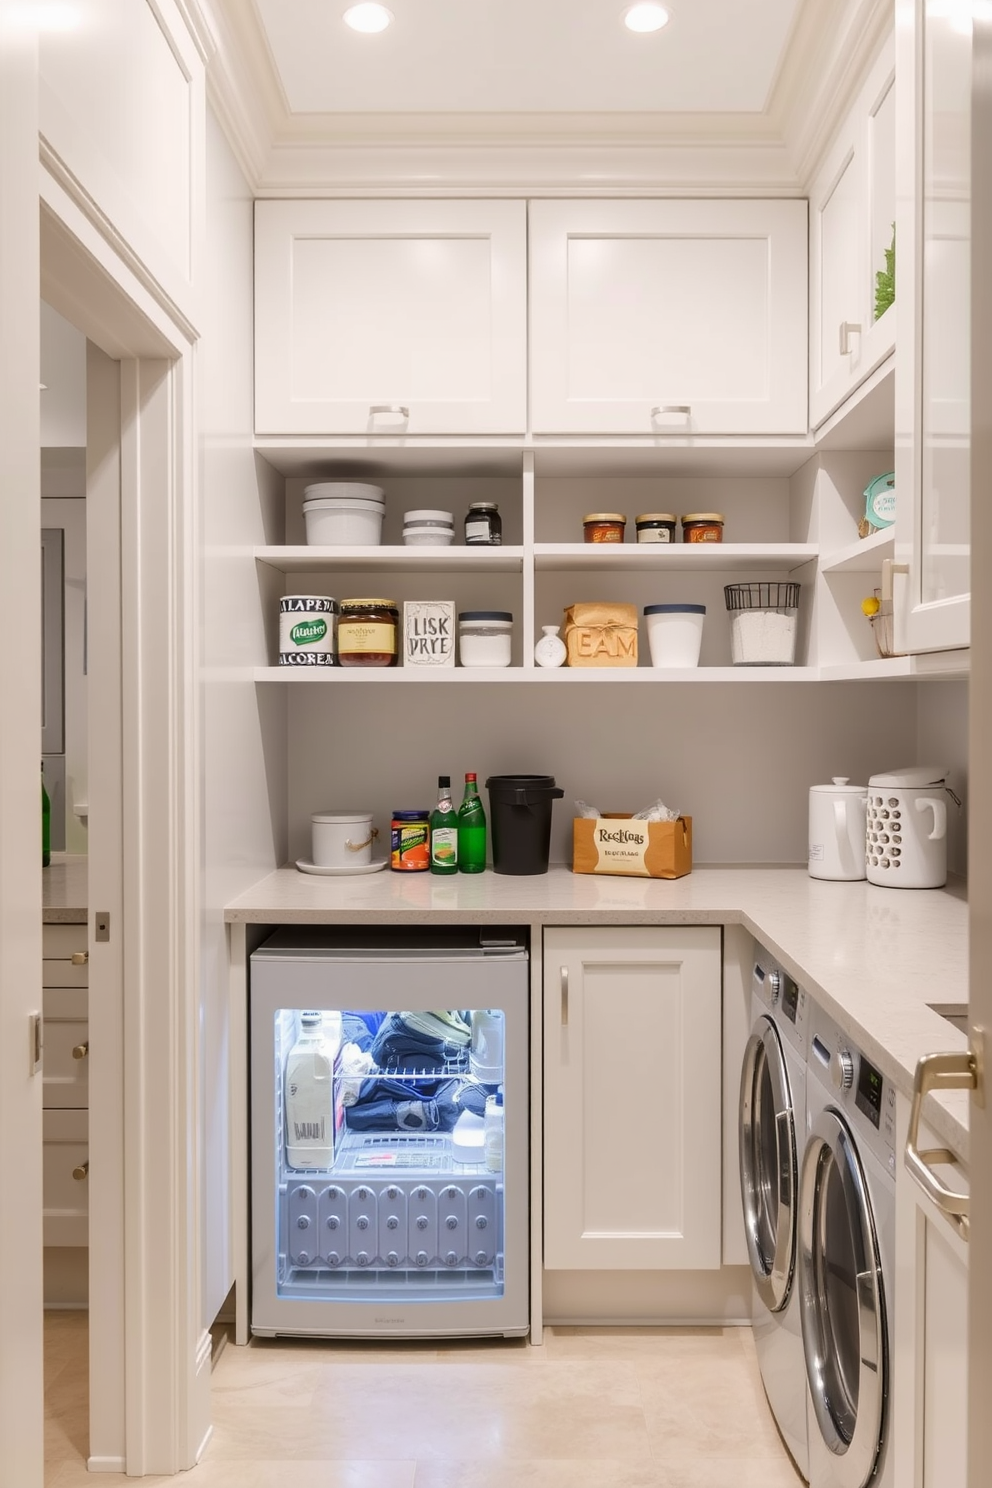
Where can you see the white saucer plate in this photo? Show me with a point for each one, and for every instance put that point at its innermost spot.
(374, 867)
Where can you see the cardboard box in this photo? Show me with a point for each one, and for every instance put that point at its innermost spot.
(636, 849)
(428, 633)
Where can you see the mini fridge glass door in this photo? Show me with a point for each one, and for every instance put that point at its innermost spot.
(389, 1137)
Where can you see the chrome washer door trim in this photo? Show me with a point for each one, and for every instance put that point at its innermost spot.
(765, 1193)
(848, 1402)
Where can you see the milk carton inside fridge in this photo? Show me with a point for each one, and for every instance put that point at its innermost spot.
(380, 1206)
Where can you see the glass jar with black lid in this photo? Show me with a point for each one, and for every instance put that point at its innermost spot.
(367, 633)
(483, 525)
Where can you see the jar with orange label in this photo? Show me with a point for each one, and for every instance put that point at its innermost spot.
(604, 527)
(699, 527)
(367, 633)
(409, 842)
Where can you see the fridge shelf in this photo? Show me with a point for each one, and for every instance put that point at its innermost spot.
(460, 1283)
(369, 1152)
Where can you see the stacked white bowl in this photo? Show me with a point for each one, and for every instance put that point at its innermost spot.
(344, 513)
(426, 528)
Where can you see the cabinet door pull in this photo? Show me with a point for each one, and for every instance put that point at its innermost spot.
(82, 1171)
(661, 409)
(80, 958)
(848, 328)
(942, 1072)
(564, 997)
(81, 1050)
(399, 409)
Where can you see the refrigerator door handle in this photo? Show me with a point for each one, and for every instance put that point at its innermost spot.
(564, 997)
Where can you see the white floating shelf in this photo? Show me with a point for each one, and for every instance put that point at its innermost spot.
(863, 556)
(935, 664)
(382, 559)
(664, 558)
(555, 677)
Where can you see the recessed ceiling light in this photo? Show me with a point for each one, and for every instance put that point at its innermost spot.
(646, 17)
(368, 17)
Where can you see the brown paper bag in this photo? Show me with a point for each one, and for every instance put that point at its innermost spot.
(637, 849)
(601, 634)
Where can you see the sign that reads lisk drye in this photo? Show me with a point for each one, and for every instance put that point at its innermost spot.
(429, 632)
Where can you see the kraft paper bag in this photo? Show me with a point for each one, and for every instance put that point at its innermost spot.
(601, 634)
(637, 849)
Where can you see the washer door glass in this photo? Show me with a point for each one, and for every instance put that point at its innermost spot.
(768, 1162)
(843, 1318)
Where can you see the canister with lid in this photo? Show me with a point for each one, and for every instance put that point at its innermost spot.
(656, 527)
(306, 629)
(367, 633)
(698, 527)
(603, 527)
(484, 638)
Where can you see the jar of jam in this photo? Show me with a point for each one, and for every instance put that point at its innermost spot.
(702, 527)
(409, 844)
(367, 633)
(604, 527)
(656, 527)
(483, 525)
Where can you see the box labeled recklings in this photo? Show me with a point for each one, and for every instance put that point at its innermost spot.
(637, 849)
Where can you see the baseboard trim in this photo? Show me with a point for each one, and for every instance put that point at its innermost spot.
(105, 1464)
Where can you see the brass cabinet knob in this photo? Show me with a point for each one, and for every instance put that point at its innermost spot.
(82, 1171)
(80, 958)
(81, 1050)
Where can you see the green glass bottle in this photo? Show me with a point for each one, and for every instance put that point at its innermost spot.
(471, 829)
(444, 830)
(46, 822)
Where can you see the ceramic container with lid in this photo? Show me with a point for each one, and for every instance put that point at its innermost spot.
(906, 828)
(342, 839)
(426, 528)
(675, 633)
(837, 830)
(484, 638)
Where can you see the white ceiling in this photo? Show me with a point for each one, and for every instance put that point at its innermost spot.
(528, 56)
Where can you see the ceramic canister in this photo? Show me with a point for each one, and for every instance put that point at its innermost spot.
(307, 627)
(341, 839)
(837, 830)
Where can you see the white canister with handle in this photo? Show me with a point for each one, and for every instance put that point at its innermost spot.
(342, 839)
(906, 846)
(837, 830)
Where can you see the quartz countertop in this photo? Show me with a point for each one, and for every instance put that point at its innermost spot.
(63, 890)
(874, 958)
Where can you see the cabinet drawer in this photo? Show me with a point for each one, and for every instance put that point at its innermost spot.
(65, 1198)
(66, 1079)
(668, 318)
(59, 944)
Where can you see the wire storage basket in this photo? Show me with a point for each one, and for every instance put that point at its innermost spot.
(763, 623)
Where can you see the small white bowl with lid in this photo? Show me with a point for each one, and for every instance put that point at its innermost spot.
(425, 527)
(354, 523)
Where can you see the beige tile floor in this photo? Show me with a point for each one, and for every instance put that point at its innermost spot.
(593, 1408)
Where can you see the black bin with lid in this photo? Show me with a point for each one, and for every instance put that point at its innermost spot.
(520, 813)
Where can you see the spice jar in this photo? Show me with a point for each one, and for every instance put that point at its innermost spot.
(656, 527)
(603, 527)
(367, 633)
(483, 525)
(702, 527)
(409, 847)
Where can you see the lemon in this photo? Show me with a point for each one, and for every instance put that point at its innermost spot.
(870, 606)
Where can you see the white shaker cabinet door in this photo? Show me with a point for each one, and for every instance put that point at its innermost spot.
(390, 317)
(668, 317)
(632, 1098)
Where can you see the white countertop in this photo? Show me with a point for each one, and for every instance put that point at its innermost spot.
(873, 958)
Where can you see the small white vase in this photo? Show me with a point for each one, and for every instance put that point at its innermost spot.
(550, 650)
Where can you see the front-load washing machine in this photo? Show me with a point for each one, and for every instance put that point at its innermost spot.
(772, 1129)
(847, 1204)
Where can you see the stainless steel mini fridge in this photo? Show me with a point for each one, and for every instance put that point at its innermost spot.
(389, 1128)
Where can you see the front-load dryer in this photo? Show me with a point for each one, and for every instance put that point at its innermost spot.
(772, 1129)
(847, 1207)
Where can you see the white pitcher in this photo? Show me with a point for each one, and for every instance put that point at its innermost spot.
(837, 830)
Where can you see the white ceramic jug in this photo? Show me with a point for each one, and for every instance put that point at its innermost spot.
(906, 845)
(837, 830)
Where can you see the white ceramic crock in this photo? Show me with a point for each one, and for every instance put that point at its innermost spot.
(837, 830)
(341, 839)
(906, 846)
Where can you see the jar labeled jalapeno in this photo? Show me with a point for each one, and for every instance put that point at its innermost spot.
(367, 633)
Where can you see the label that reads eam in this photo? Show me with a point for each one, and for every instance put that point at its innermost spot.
(621, 846)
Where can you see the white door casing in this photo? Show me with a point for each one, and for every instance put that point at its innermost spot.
(21, 1379)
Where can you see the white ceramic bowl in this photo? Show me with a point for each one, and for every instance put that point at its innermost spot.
(341, 839)
(343, 491)
(343, 523)
(428, 537)
(675, 633)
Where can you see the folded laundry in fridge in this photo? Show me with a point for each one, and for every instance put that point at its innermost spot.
(399, 1047)
(361, 1028)
(444, 1023)
(386, 1104)
(353, 1065)
(395, 1115)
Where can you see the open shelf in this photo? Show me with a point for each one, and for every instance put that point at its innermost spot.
(661, 557)
(555, 677)
(864, 556)
(458, 558)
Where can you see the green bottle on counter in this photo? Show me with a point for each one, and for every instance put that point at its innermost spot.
(46, 822)
(444, 830)
(471, 829)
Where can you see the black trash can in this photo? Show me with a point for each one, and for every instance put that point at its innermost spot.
(520, 813)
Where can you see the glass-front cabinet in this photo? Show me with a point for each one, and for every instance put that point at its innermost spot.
(933, 262)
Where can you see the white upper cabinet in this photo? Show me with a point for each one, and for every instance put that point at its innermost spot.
(668, 317)
(390, 317)
(852, 221)
(933, 398)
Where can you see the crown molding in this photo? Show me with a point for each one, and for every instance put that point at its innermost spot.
(243, 86)
(197, 23)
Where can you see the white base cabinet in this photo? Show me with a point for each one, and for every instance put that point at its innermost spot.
(930, 1415)
(632, 1098)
